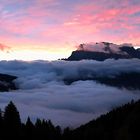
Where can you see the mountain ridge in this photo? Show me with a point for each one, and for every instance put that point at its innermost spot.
(104, 50)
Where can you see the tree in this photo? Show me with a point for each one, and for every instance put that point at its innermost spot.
(1, 125)
(12, 122)
(11, 116)
(29, 129)
(1, 119)
(29, 124)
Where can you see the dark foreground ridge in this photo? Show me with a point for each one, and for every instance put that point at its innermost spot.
(6, 82)
(122, 123)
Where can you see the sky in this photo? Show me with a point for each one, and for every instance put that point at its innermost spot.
(50, 29)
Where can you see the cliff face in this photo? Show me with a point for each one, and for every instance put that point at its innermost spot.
(103, 51)
(99, 56)
(6, 82)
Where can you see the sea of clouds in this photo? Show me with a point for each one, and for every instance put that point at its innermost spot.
(42, 92)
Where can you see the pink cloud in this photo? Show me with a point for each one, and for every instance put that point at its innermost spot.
(50, 22)
(4, 48)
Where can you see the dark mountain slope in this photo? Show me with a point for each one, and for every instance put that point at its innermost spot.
(99, 56)
(6, 82)
(129, 80)
(122, 123)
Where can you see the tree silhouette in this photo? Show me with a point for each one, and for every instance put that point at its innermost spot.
(1, 125)
(29, 129)
(122, 123)
(12, 122)
(1, 116)
(1, 121)
(11, 115)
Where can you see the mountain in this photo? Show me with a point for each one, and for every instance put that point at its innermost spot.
(130, 80)
(6, 82)
(122, 123)
(104, 50)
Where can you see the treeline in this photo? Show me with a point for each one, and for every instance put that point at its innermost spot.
(122, 123)
(11, 127)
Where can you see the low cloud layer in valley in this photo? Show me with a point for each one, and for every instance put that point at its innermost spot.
(42, 92)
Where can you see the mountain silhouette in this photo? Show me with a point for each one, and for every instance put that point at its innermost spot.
(6, 82)
(104, 50)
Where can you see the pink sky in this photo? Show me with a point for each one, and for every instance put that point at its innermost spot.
(49, 29)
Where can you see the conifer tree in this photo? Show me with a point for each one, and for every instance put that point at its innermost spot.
(11, 116)
(12, 122)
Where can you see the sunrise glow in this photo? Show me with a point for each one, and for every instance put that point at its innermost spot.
(50, 29)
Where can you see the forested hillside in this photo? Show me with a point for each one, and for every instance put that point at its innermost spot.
(122, 123)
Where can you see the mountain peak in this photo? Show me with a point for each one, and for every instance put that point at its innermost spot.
(104, 47)
(104, 50)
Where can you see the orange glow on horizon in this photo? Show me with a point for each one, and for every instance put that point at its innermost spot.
(35, 54)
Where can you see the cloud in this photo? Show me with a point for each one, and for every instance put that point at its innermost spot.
(43, 93)
(100, 47)
(4, 48)
(44, 21)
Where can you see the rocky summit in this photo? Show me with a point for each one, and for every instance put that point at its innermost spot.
(104, 50)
